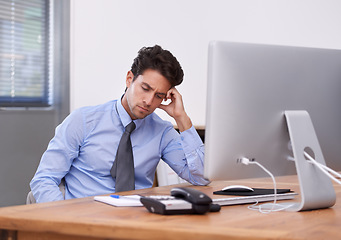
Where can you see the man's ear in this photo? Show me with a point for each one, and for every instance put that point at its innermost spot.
(129, 78)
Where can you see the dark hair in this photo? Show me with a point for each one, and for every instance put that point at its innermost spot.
(158, 59)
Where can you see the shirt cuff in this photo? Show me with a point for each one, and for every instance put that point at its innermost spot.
(190, 140)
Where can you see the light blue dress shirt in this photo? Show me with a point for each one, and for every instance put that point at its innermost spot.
(85, 144)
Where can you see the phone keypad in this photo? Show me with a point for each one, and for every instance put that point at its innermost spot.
(161, 197)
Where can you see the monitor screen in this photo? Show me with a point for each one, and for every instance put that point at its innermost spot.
(249, 88)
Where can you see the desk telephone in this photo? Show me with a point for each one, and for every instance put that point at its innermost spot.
(181, 201)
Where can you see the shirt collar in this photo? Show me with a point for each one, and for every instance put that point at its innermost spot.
(124, 116)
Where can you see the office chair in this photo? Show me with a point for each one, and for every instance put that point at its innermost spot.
(30, 198)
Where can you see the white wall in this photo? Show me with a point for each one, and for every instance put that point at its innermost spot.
(106, 35)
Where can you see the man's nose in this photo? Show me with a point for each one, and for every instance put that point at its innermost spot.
(149, 99)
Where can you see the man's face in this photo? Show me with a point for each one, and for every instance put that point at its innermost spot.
(145, 93)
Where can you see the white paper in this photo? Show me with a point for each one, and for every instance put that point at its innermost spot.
(122, 201)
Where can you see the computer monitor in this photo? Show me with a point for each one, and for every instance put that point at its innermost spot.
(250, 86)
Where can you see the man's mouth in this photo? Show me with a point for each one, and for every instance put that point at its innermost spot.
(143, 109)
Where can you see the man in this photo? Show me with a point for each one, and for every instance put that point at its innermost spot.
(85, 144)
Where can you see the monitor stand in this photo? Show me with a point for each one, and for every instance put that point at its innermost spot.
(316, 188)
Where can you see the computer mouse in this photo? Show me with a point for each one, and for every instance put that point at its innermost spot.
(237, 188)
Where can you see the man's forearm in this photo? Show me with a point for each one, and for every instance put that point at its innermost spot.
(184, 123)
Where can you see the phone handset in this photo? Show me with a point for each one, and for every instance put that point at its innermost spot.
(181, 201)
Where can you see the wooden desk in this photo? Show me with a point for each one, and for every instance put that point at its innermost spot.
(86, 219)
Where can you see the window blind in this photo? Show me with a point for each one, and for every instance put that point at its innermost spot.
(24, 53)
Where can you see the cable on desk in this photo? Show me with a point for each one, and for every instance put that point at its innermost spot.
(265, 207)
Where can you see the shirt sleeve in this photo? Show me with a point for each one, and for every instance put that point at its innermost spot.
(185, 155)
(57, 159)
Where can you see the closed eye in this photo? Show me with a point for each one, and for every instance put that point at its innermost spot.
(160, 95)
(145, 87)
